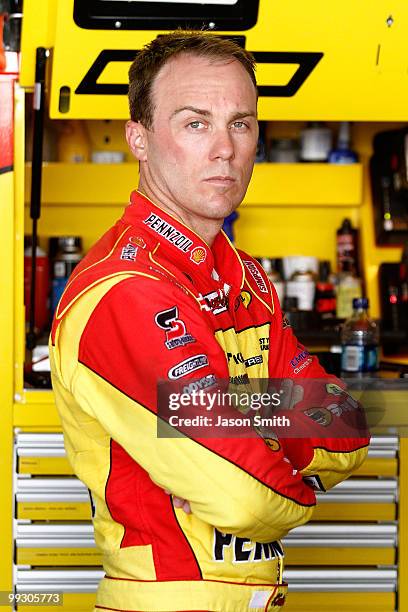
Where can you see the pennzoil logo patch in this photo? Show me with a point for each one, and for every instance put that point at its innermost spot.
(168, 232)
(244, 550)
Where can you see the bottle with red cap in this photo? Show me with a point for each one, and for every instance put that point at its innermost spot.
(347, 247)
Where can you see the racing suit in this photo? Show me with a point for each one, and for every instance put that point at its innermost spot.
(152, 301)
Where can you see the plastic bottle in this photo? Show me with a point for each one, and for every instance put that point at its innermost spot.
(360, 338)
(68, 255)
(343, 154)
(348, 288)
(302, 285)
(347, 247)
(315, 142)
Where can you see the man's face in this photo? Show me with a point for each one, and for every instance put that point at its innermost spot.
(200, 151)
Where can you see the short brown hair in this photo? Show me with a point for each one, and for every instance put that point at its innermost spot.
(155, 54)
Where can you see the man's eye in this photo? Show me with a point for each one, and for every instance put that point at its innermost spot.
(195, 124)
(239, 125)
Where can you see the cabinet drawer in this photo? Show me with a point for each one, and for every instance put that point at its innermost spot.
(341, 544)
(52, 499)
(72, 602)
(359, 499)
(56, 544)
(46, 510)
(340, 602)
(65, 581)
(28, 464)
(41, 453)
(341, 580)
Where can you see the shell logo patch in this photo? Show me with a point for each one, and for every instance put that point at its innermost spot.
(198, 255)
(138, 240)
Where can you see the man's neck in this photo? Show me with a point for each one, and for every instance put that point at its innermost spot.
(207, 229)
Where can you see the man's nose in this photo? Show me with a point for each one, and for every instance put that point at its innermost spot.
(222, 145)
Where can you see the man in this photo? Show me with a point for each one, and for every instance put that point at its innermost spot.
(165, 296)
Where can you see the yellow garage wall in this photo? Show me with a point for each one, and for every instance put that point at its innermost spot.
(290, 209)
(281, 230)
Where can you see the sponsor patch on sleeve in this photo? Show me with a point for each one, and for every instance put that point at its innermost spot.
(256, 275)
(201, 383)
(187, 366)
(129, 252)
(138, 240)
(301, 361)
(215, 302)
(176, 333)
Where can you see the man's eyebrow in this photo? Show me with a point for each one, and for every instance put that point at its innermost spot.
(243, 114)
(207, 113)
(197, 111)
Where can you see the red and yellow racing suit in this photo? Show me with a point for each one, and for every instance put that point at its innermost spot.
(152, 301)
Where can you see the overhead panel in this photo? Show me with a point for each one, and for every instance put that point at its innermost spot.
(349, 62)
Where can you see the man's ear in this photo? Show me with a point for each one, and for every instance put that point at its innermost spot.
(136, 139)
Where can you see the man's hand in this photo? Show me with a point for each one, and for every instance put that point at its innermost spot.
(179, 502)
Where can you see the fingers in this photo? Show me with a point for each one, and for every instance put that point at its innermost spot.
(179, 502)
(182, 503)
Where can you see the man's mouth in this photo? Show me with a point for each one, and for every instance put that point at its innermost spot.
(223, 180)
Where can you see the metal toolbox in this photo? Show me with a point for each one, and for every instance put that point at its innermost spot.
(364, 533)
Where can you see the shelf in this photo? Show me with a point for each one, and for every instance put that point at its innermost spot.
(78, 184)
(332, 336)
(271, 184)
(306, 185)
(35, 409)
